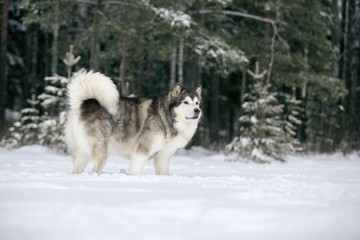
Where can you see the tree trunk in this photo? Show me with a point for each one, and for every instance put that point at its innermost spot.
(173, 66)
(243, 88)
(272, 56)
(34, 59)
(345, 25)
(320, 138)
(26, 82)
(301, 129)
(214, 127)
(123, 65)
(139, 77)
(334, 34)
(55, 54)
(3, 61)
(354, 58)
(181, 60)
(199, 67)
(199, 61)
(46, 57)
(95, 42)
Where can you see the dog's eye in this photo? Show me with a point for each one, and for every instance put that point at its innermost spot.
(197, 103)
(186, 102)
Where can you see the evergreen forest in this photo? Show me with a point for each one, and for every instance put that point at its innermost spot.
(278, 76)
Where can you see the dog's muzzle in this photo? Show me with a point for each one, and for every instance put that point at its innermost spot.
(196, 115)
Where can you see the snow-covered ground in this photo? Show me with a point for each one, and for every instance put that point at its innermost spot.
(309, 197)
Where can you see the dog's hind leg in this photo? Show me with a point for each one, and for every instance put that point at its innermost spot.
(80, 159)
(98, 128)
(99, 154)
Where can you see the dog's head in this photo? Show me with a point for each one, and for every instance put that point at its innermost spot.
(185, 103)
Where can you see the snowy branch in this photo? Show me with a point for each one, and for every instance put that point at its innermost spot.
(174, 18)
(216, 48)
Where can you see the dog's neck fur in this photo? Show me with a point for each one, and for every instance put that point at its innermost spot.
(186, 130)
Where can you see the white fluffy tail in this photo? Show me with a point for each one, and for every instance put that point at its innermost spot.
(89, 85)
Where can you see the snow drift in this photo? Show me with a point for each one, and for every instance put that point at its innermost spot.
(310, 197)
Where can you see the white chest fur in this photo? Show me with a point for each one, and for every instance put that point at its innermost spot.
(186, 131)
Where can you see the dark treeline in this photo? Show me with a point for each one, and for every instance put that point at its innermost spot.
(310, 50)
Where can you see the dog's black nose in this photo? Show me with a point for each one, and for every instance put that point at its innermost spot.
(197, 110)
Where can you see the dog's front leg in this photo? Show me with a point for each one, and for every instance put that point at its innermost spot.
(137, 164)
(162, 161)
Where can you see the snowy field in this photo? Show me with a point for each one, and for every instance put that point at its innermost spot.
(309, 197)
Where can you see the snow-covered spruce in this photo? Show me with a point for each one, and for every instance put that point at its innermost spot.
(24, 131)
(53, 101)
(45, 129)
(264, 136)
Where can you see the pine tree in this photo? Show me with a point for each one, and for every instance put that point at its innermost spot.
(52, 131)
(53, 100)
(46, 129)
(26, 130)
(264, 135)
(54, 103)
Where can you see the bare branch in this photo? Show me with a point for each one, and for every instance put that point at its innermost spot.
(122, 3)
(86, 1)
(283, 41)
(109, 2)
(273, 39)
(234, 13)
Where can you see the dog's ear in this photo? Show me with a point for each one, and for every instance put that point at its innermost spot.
(198, 90)
(175, 91)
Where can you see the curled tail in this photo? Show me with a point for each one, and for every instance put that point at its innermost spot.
(90, 85)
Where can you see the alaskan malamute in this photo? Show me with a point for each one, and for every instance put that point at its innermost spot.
(135, 128)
